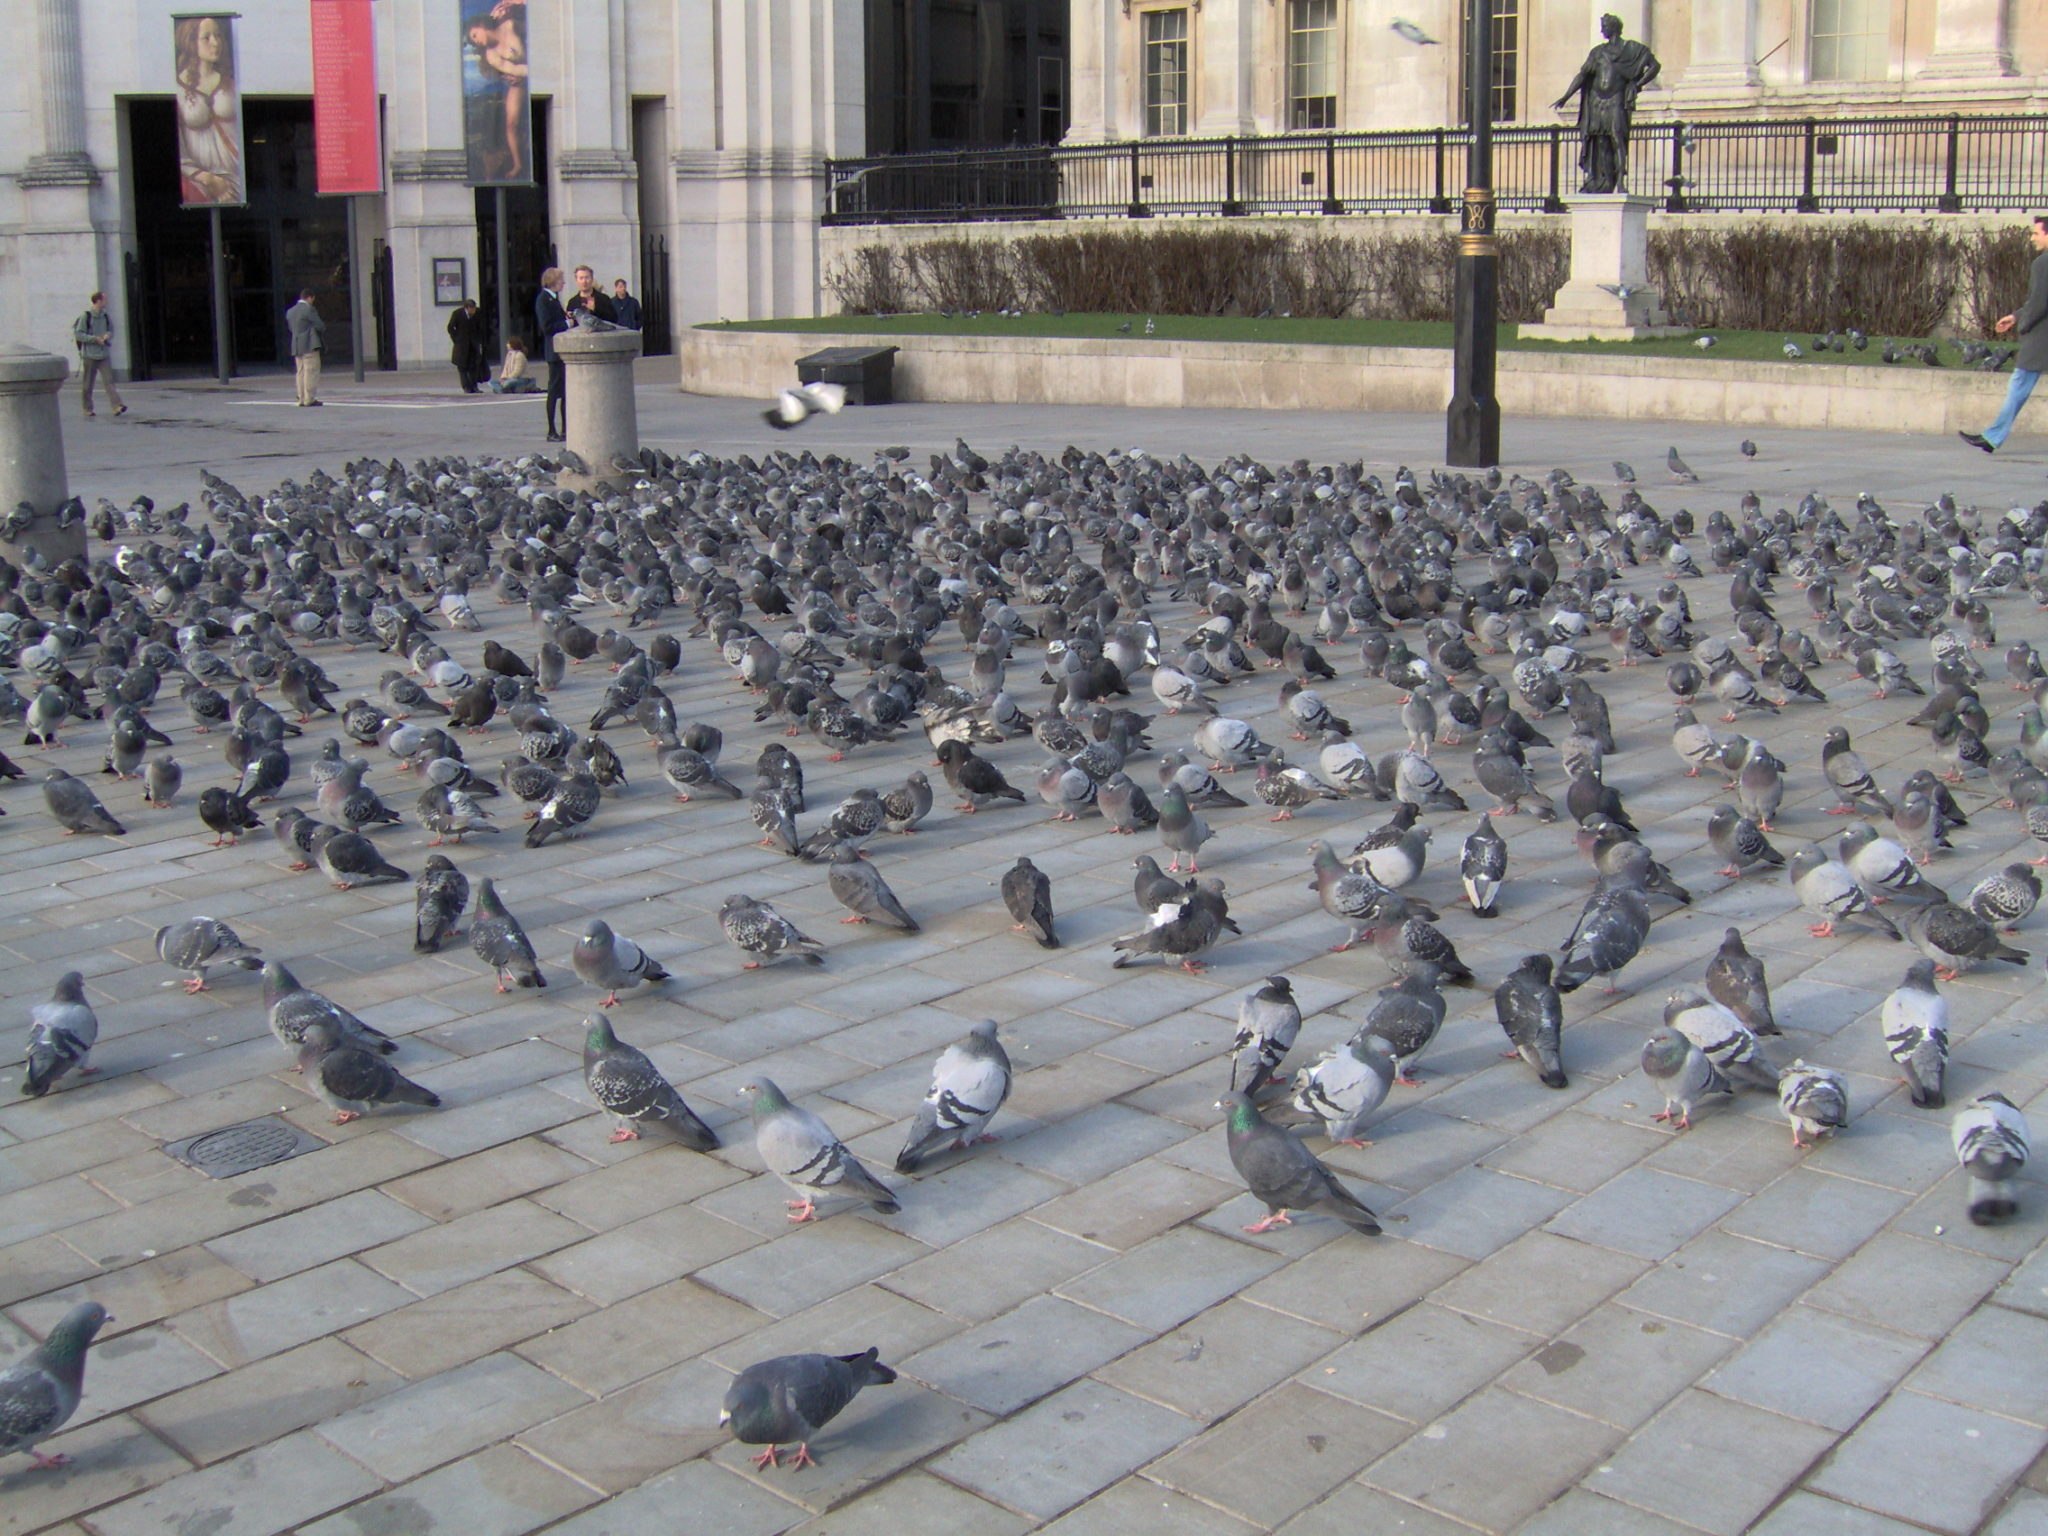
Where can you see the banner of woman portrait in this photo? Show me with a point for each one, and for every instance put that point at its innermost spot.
(209, 102)
(497, 116)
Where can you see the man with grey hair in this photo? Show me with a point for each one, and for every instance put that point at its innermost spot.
(307, 329)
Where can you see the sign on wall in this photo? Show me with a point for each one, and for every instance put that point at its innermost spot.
(346, 143)
(209, 101)
(497, 99)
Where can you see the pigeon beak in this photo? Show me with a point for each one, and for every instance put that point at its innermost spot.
(724, 1417)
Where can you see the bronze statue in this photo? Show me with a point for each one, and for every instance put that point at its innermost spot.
(1607, 85)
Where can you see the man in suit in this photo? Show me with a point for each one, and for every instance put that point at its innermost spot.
(2030, 321)
(549, 322)
(307, 328)
(466, 345)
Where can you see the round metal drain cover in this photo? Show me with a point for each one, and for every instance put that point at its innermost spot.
(236, 1149)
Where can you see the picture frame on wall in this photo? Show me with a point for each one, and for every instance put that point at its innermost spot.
(449, 275)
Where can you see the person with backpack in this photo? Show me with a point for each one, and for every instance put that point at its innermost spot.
(93, 334)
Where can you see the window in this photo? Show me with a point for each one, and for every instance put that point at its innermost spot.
(1166, 72)
(1849, 40)
(1312, 63)
(1507, 58)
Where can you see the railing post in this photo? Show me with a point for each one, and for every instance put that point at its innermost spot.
(1950, 202)
(1439, 203)
(1553, 201)
(1808, 203)
(1331, 202)
(1138, 210)
(1674, 189)
(1232, 207)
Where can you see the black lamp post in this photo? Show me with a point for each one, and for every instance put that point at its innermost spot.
(1472, 424)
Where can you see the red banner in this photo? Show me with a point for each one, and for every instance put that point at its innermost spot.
(345, 137)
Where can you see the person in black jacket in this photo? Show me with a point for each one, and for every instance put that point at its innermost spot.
(625, 306)
(588, 296)
(466, 345)
(549, 322)
(2030, 321)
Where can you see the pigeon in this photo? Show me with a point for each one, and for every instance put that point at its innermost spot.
(349, 859)
(758, 929)
(1610, 934)
(976, 779)
(799, 1149)
(74, 806)
(1395, 852)
(39, 1392)
(789, 1399)
(1855, 790)
(1027, 893)
(1287, 789)
(1347, 895)
(1417, 783)
(1531, 1014)
(1283, 1174)
(1268, 1020)
(970, 1081)
(904, 808)
(631, 1089)
(499, 941)
(1502, 775)
(1408, 32)
(1182, 930)
(574, 801)
(1483, 868)
(199, 944)
(1682, 1074)
(1229, 744)
(1728, 1042)
(859, 887)
(1991, 1143)
(439, 896)
(2005, 899)
(350, 1080)
(1883, 867)
(1695, 744)
(61, 1035)
(1738, 840)
(1915, 1023)
(1815, 1100)
(1955, 939)
(1826, 888)
(1680, 470)
(609, 960)
(293, 1009)
(1407, 1016)
(1345, 1086)
(1735, 980)
(793, 407)
(161, 778)
(1182, 830)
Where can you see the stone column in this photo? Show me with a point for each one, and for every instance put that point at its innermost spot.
(32, 453)
(1970, 43)
(64, 161)
(1722, 69)
(1608, 297)
(603, 418)
(1222, 45)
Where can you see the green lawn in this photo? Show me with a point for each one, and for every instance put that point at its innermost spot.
(1757, 346)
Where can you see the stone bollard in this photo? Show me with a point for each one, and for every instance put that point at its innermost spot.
(603, 421)
(32, 453)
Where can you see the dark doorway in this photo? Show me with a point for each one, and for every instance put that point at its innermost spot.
(529, 245)
(287, 238)
(965, 74)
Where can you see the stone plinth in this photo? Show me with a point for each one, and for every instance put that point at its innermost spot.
(32, 453)
(1609, 297)
(603, 421)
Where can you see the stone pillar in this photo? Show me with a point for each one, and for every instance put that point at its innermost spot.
(1609, 297)
(603, 419)
(1222, 47)
(1970, 43)
(64, 161)
(1722, 70)
(32, 453)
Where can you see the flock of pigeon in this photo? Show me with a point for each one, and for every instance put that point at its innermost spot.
(1465, 611)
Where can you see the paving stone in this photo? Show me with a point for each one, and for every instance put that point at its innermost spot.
(1646, 1213)
(43, 1264)
(1350, 1286)
(716, 1499)
(803, 1267)
(1279, 1455)
(1618, 1365)
(111, 1459)
(1573, 1151)
(1994, 1360)
(1420, 1364)
(1808, 1514)
(1816, 1213)
(1413, 1149)
(1540, 1282)
(1580, 1513)
(1711, 1463)
(448, 1416)
(426, 1337)
(1058, 1452)
(240, 1409)
(656, 1179)
(1354, 1507)
(139, 1365)
(141, 1293)
(316, 1236)
(2026, 1515)
(971, 1196)
(465, 1184)
(301, 1479)
(1883, 1465)
(1020, 1357)
(1133, 1204)
(1475, 1212)
(1728, 1284)
(1901, 1282)
(983, 1276)
(640, 1335)
(913, 1504)
(2025, 1290)
(644, 1253)
(499, 1492)
(1220, 1360)
(1168, 1280)
(1815, 1366)
(639, 1431)
(1461, 1465)
(289, 1312)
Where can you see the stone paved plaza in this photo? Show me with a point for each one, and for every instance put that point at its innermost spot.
(488, 1319)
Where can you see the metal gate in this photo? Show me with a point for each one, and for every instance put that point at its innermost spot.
(656, 339)
(384, 307)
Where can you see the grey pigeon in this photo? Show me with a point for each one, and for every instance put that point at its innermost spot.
(800, 1149)
(609, 960)
(970, 1081)
(631, 1089)
(1955, 939)
(758, 929)
(1394, 853)
(200, 944)
(1826, 888)
(787, 1400)
(1735, 979)
(1413, 945)
(1504, 776)
(1682, 1074)
(1483, 868)
(1728, 1042)
(1407, 1016)
(1182, 930)
(74, 806)
(293, 1009)
(574, 801)
(1125, 805)
(2006, 898)
(1283, 1174)
(439, 897)
(1815, 1100)
(39, 1392)
(1739, 840)
(1915, 1023)
(161, 778)
(1759, 791)
(499, 941)
(1855, 790)
(1611, 931)
(1991, 1142)
(1027, 894)
(1882, 867)
(1345, 1086)
(904, 808)
(859, 887)
(1268, 1020)
(1531, 1014)
(1417, 783)
(349, 859)
(61, 1036)
(1354, 899)
(352, 1081)
(1153, 888)
(1182, 830)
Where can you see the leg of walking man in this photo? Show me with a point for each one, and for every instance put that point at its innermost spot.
(558, 405)
(113, 395)
(2015, 396)
(88, 370)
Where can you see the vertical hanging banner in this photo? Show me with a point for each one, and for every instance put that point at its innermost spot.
(346, 143)
(209, 101)
(497, 102)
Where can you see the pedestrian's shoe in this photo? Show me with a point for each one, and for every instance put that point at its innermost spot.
(1978, 440)
(89, 415)
(120, 410)
(316, 402)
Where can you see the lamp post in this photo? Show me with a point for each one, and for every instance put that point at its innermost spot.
(1472, 423)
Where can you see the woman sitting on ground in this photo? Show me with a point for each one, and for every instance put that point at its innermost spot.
(512, 377)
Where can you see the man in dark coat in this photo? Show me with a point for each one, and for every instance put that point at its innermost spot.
(625, 306)
(2030, 321)
(466, 345)
(549, 322)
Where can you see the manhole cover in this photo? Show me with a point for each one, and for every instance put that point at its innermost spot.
(236, 1149)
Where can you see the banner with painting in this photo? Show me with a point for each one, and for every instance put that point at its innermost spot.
(497, 115)
(209, 101)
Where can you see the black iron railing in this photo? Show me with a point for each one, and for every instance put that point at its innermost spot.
(1950, 164)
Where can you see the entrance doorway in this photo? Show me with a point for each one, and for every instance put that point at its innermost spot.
(529, 247)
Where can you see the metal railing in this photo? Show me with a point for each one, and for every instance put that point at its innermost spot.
(1951, 164)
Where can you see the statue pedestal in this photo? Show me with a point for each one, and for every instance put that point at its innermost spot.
(603, 420)
(32, 453)
(1609, 297)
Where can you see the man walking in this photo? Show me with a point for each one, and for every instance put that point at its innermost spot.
(2030, 320)
(625, 306)
(93, 334)
(549, 322)
(307, 328)
(466, 345)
